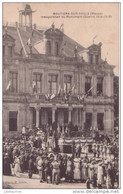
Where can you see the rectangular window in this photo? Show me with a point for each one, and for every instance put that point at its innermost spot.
(68, 81)
(100, 123)
(9, 51)
(13, 81)
(13, 120)
(53, 84)
(100, 86)
(88, 86)
(37, 83)
(88, 120)
(56, 49)
(48, 47)
(91, 58)
(97, 59)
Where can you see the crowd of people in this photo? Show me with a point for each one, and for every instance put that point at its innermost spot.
(37, 151)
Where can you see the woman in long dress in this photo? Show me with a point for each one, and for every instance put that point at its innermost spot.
(69, 176)
(85, 167)
(100, 176)
(91, 170)
(76, 171)
(108, 177)
(17, 168)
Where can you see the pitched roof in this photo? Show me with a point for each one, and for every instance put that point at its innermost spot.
(68, 43)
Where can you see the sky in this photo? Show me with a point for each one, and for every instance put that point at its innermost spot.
(96, 19)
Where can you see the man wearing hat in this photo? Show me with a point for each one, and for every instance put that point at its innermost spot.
(6, 165)
(40, 168)
(100, 175)
(55, 172)
(22, 160)
(31, 166)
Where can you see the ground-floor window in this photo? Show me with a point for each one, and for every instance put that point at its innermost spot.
(34, 117)
(13, 120)
(100, 124)
(88, 120)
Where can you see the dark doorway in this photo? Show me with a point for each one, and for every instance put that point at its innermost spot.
(34, 117)
(13, 120)
(65, 116)
(49, 113)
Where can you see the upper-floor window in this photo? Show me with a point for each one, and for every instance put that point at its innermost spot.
(37, 82)
(48, 47)
(13, 82)
(99, 86)
(9, 51)
(53, 84)
(3, 51)
(88, 122)
(100, 124)
(88, 86)
(67, 81)
(56, 49)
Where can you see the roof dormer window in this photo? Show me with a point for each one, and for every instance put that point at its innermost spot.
(97, 59)
(48, 47)
(56, 49)
(9, 51)
(8, 45)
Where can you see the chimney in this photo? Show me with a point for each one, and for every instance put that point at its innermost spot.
(34, 26)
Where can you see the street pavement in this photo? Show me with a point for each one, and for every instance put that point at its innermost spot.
(23, 182)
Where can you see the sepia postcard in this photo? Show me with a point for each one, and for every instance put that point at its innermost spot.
(60, 95)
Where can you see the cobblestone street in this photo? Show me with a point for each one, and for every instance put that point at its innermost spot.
(23, 182)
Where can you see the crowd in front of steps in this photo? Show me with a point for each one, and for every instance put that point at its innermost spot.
(31, 153)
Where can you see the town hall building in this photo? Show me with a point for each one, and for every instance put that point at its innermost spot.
(48, 77)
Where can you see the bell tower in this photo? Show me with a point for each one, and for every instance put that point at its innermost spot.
(25, 16)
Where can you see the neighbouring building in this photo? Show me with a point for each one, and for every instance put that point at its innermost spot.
(46, 75)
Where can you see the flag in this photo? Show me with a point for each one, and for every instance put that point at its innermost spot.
(90, 89)
(65, 87)
(59, 90)
(8, 86)
(82, 97)
(94, 37)
(88, 92)
(34, 86)
(47, 96)
(52, 96)
(61, 26)
(78, 97)
(29, 42)
(73, 88)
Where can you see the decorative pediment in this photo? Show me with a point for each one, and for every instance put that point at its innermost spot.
(94, 47)
(7, 37)
(54, 33)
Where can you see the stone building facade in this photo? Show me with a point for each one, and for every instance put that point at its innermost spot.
(41, 67)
